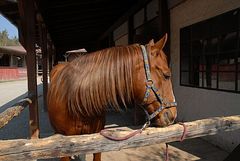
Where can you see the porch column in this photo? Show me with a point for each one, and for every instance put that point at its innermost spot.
(28, 21)
(51, 52)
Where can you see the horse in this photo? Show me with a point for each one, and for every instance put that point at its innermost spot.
(81, 91)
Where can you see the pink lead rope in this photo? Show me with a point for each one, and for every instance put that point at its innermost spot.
(181, 139)
(103, 133)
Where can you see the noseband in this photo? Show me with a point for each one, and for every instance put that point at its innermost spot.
(151, 87)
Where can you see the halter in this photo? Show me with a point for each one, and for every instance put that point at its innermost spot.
(150, 86)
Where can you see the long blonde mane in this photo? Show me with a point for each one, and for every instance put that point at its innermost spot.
(93, 82)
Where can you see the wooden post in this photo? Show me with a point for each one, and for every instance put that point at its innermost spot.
(28, 21)
(59, 145)
(164, 23)
(54, 56)
(51, 52)
(44, 64)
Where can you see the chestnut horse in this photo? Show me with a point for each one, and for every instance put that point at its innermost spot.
(81, 91)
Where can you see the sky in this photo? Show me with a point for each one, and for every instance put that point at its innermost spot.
(5, 24)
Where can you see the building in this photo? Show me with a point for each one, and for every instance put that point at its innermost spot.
(204, 55)
(72, 54)
(12, 63)
(203, 49)
(207, 79)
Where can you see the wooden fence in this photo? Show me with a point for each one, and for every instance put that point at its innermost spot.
(13, 111)
(12, 73)
(59, 145)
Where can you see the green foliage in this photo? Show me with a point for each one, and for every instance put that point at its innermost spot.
(6, 41)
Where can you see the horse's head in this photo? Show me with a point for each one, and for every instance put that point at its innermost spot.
(156, 90)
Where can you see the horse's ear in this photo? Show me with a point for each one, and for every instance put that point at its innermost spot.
(161, 43)
(155, 48)
(151, 43)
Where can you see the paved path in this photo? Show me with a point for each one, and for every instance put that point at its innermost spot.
(189, 150)
(11, 90)
(10, 93)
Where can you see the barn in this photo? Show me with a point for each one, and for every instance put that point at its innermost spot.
(206, 73)
(12, 63)
(204, 55)
(203, 49)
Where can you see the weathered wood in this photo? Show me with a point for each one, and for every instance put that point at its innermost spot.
(58, 145)
(28, 23)
(9, 114)
(12, 112)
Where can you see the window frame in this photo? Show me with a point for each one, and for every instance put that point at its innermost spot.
(188, 36)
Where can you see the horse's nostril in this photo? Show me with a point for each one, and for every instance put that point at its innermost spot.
(168, 117)
(166, 114)
(164, 119)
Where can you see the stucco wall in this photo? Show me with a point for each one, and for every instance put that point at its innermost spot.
(195, 103)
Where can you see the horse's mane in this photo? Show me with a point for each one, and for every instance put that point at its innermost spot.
(92, 82)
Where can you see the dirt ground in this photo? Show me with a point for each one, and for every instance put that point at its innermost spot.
(188, 150)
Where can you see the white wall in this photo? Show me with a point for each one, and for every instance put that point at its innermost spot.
(195, 103)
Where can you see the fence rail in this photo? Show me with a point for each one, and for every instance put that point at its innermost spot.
(59, 145)
(13, 111)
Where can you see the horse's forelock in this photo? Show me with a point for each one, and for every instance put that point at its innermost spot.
(92, 82)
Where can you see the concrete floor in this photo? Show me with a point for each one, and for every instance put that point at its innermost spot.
(188, 150)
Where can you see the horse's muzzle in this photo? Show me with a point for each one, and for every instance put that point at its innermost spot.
(164, 119)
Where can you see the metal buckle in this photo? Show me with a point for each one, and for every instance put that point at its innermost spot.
(146, 125)
(149, 83)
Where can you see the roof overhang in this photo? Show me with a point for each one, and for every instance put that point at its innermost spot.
(12, 50)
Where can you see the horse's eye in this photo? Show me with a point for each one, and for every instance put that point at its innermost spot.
(167, 75)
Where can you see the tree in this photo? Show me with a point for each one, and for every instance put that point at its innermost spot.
(6, 41)
(3, 38)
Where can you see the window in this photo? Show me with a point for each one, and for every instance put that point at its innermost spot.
(4, 60)
(210, 53)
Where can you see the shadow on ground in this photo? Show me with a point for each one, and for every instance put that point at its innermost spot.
(194, 149)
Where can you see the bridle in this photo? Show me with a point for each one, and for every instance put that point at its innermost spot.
(151, 87)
